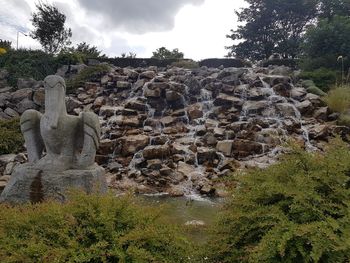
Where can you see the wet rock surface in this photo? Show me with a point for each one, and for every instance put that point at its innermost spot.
(177, 131)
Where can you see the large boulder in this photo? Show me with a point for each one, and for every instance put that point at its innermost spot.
(245, 148)
(156, 152)
(133, 143)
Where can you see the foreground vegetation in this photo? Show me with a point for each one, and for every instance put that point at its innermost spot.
(88, 229)
(295, 211)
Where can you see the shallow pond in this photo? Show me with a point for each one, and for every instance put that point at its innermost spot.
(194, 214)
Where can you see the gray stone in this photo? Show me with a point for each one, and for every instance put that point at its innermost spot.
(11, 112)
(21, 94)
(28, 83)
(29, 184)
(24, 105)
(225, 147)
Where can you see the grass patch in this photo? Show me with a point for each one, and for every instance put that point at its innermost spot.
(338, 99)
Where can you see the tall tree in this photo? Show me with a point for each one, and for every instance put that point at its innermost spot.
(329, 8)
(326, 41)
(49, 28)
(270, 26)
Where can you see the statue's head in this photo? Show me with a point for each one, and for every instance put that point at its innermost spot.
(55, 94)
(54, 82)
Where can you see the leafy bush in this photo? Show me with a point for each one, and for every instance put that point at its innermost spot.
(325, 42)
(338, 99)
(88, 228)
(69, 58)
(28, 64)
(310, 87)
(91, 73)
(323, 78)
(188, 64)
(294, 211)
(11, 136)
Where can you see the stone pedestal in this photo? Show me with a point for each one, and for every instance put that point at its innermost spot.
(28, 183)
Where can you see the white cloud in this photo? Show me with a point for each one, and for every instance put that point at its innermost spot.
(197, 30)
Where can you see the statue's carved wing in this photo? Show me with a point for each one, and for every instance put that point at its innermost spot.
(91, 142)
(30, 127)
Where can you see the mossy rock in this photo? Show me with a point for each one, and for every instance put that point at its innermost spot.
(307, 83)
(315, 90)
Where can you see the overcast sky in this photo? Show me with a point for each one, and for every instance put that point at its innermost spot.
(197, 27)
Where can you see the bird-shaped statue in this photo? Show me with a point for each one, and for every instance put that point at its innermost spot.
(58, 141)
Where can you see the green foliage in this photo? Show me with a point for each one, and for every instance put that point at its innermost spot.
(188, 64)
(28, 64)
(329, 8)
(325, 42)
(322, 77)
(70, 58)
(294, 211)
(338, 99)
(310, 87)
(91, 73)
(315, 90)
(269, 27)
(88, 228)
(5, 44)
(49, 28)
(11, 136)
(79, 54)
(164, 53)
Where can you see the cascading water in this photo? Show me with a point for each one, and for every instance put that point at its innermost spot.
(214, 117)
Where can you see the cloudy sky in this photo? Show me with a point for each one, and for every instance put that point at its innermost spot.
(196, 27)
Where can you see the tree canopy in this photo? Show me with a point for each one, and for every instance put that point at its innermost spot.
(270, 26)
(164, 53)
(49, 28)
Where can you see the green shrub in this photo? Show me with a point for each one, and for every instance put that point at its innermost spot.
(338, 99)
(316, 91)
(91, 73)
(88, 228)
(294, 211)
(11, 136)
(188, 64)
(23, 63)
(69, 58)
(323, 78)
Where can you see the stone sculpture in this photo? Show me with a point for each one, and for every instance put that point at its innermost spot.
(61, 151)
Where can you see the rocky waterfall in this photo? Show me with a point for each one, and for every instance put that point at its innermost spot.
(177, 131)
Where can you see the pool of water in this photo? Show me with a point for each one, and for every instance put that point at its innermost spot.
(195, 215)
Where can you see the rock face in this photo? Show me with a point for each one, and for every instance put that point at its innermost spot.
(70, 145)
(176, 131)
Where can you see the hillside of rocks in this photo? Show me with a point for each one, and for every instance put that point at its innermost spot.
(179, 132)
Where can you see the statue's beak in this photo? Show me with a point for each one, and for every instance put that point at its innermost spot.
(53, 105)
